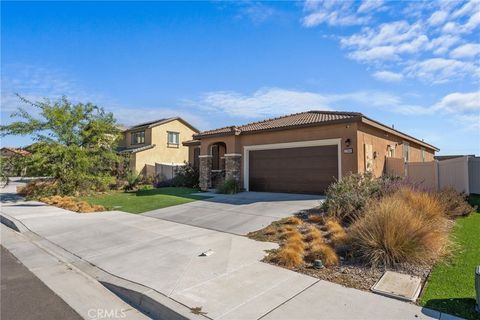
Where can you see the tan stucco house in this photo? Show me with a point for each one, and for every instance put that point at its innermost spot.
(300, 153)
(154, 142)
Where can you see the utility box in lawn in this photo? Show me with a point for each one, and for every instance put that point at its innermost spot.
(477, 287)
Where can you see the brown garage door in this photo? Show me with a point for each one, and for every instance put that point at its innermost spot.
(294, 170)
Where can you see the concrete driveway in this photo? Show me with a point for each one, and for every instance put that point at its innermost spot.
(238, 214)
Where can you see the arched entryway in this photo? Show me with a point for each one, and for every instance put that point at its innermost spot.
(217, 151)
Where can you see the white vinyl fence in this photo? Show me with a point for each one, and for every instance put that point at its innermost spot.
(462, 174)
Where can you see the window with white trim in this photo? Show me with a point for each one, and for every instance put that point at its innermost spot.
(173, 139)
(138, 137)
(423, 154)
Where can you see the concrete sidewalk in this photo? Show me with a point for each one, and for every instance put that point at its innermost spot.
(230, 284)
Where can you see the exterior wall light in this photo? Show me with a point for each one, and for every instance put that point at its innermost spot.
(347, 142)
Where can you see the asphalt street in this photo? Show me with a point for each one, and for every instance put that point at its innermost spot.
(24, 296)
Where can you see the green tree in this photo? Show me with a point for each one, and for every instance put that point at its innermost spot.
(75, 143)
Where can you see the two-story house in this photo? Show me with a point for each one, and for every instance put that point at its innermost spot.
(156, 141)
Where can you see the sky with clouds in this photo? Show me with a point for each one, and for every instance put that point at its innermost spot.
(412, 64)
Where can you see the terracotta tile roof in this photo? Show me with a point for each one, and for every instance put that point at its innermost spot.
(191, 142)
(293, 120)
(21, 152)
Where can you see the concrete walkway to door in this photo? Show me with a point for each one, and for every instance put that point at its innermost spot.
(238, 214)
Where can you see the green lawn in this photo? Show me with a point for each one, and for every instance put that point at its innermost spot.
(451, 285)
(144, 200)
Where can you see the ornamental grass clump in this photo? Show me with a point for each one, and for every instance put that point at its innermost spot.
(291, 235)
(336, 232)
(324, 252)
(455, 203)
(288, 257)
(312, 234)
(403, 227)
(70, 203)
(315, 218)
(293, 221)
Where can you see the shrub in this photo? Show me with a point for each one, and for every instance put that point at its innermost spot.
(323, 252)
(288, 257)
(186, 176)
(401, 228)
(347, 198)
(229, 186)
(455, 203)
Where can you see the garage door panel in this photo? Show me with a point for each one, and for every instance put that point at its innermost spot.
(296, 170)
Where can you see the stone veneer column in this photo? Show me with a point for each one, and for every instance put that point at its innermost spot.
(232, 166)
(205, 172)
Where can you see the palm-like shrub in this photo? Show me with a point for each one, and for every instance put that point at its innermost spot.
(132, 179)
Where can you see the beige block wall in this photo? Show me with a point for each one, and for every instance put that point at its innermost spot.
(380, 139)
(162, 153)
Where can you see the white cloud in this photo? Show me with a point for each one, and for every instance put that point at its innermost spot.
(375, 54)
(331, 12)
(458, 102)
(472, 23)
(442, 44)
(438, 17)
(388, 76)
(257, 12)
(415, 43)
(469, 50)
(263, 102)
(268, 102)
(277, 101)
(388, 42)
(439, 70)
(370, 5)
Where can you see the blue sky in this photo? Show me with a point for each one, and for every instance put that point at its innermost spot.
(411, 64)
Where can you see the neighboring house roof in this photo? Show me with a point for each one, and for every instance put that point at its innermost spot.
(304, 119)
(158, 122)
(20, 152)
(447, 157)
(191, 143)
(134, 150)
